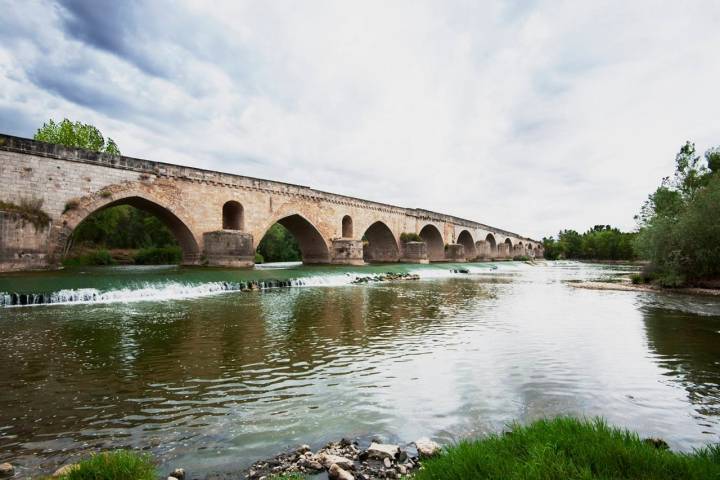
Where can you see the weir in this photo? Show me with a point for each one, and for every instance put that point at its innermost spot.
(218, 218)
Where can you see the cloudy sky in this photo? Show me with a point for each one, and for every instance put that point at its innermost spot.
(527, 115)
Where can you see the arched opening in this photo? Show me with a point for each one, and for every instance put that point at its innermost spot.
(508, 247)
(434, 243)
(310, 242)
(347, 227)
(492, 244)
(232, 216)
(131, 230)
(465, 239)
(379, 244)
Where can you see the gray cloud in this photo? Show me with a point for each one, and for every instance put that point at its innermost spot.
(528, 115)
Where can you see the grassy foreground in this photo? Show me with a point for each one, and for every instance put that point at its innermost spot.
(568, 448)
(563, 448)
(117, 465)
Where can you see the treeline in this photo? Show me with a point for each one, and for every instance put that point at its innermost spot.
(602, 242)
(680, 222)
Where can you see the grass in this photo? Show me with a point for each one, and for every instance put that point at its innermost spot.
(568, 448)
(116, 465)
(29, 210)
(406, 237)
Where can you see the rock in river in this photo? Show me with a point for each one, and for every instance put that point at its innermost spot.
(328, 460)
(426, 447)
(6, 470)
(380, 451)
(337, 473)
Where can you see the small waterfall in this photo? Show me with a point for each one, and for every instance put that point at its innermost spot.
(177, 291)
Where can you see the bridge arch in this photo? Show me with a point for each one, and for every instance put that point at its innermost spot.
(61, 237)
(466, 240)
(313, 247)
(490, 239)
(233, 216)
(434, 241)
(379, 244)
(347, 227)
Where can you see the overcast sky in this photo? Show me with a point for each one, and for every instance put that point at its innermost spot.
(527, 115)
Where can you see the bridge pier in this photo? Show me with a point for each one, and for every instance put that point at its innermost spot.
(346, 251)
(414, 252)
(454, 252)
(229, 248)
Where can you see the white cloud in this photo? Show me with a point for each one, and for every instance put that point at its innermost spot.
(530, 116)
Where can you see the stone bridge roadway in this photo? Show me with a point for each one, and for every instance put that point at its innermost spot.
(219, 218)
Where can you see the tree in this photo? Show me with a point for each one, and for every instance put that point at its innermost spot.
(680, 221)
(76, 134)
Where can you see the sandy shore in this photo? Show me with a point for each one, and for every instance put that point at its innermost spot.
(631, 287)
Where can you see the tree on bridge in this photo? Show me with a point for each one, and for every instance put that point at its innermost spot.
(77, 135)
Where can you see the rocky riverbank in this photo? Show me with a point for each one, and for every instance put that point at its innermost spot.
(343, 460)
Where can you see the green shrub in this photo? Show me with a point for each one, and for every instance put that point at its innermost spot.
(637, 278)
(406, 237)
(159, 256)
(568, 448)
(97, 257)
(521, 258)
(117, 465)
(259, 258)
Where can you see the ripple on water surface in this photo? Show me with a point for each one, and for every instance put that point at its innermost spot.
(214, 378)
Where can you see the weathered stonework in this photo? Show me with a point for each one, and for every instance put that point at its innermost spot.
(73, 183)
(415, 252)
(454, 252)
(228, 248)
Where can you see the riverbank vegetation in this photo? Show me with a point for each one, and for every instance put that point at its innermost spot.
(602, 242)
(569, 448)
(680, 223)
(116, 465)
(278, 245)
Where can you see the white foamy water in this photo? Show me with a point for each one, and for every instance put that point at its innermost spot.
(177, 291)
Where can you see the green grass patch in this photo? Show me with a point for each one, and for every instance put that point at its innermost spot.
(568, 448)
(159, 256)
(117, 465)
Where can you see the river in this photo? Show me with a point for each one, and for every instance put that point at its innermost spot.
(182, 362)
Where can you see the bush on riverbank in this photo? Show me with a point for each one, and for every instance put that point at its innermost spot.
(117, 465)
(568, 448)
(158, 256)
(97, 257)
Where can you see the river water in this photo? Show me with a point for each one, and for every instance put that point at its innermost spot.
(182, 362)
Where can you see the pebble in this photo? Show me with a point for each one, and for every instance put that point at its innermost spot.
(6, 470)
(387, 462)
(178, 473)
(382, 450)
(426, 447)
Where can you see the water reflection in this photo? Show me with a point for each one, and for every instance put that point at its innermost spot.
(217, 382)
(688, 346)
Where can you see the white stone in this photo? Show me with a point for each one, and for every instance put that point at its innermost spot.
(380, 451)
(426, 447)
(6, 470)
(178, 473)
(337, 473)
(328, 460)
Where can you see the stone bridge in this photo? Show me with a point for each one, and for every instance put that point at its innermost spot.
(219, 218)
